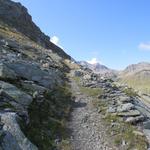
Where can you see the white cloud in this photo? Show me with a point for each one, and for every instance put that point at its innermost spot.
(55, 40)
(93, 61)
(144, 46)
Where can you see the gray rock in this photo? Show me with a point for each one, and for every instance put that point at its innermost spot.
(147, 133)
(35, 73)
(14, 138)
(134, 120)
(78, 73)
(146, 125)
(124, 99)
(12, 45)
(6, 73)
(31, 87)
(15, 94)
(125, 107)
(130, 113)
(111, 109)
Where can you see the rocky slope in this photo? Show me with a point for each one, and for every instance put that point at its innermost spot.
(34, 97)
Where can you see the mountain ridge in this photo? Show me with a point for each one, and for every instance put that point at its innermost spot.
(99, 68)
(16, 16)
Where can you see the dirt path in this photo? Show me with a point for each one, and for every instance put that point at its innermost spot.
(88, 133)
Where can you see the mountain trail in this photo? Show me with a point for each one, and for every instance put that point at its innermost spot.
(87, 130)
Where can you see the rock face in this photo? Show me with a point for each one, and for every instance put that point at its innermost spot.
(6, 72)
(15, 15)
(14, 138)
(34, 73)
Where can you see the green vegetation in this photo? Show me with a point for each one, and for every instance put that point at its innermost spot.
(48, 118)
(130, 92)
(93, 92)
(139, 84)
(65, 145)
(77, 79)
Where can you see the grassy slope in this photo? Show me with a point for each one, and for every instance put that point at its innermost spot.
(140, 84)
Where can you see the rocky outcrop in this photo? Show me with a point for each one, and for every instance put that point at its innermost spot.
(13, 137)
(7, 73)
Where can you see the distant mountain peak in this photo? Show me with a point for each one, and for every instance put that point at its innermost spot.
(98, 68)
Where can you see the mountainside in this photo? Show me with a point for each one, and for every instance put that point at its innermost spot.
(135, 68)
(35, 99)
(98, 68)
(137, 76)
(16, 16)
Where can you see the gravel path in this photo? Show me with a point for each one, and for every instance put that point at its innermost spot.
(87, 131)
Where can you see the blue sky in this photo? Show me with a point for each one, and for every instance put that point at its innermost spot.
(115, 32)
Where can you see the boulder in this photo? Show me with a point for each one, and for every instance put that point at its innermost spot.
(14, 138)
(78, 73)
(124, 99)
(134, 120)
(32, 87)
(130, 113)
(87, 77)
(111, 109)
(146, 124)
(34, 73)
(7, 73)
(15, 95)
(147, 133)
(125, 107)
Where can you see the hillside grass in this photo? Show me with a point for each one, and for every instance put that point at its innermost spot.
(142, 85)
(92, 92)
